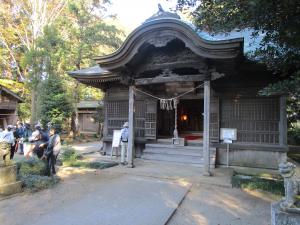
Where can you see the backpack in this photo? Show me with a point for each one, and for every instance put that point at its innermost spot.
(124, 135)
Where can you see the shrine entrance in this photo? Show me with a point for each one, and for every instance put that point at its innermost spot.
(189, 120)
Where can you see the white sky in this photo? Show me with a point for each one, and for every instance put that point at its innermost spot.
(132, 13)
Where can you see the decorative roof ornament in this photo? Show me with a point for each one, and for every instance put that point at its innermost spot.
(162, 14)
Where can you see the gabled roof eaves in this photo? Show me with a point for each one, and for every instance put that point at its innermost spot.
(20, 100)
(90, 71)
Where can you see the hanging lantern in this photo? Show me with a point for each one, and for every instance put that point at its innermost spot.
(184, 117)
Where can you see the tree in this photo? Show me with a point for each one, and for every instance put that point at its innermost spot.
(278, 22)
(87, 33)
(21, 24)
(55, 107)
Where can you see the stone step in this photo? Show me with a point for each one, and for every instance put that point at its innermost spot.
(174, 151)
(189, 142)
(175, 157)
(170, 146)
(193, 161)
(185, 155)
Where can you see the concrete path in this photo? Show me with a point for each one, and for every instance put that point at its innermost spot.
(97, 198)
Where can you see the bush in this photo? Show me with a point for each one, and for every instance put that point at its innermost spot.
(275, 186)
(33, 174)
(38, 182)
(69, 157)
(294, 135)
(69, 154)
(32, 166)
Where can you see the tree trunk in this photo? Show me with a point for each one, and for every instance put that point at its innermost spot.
(74, 117)
(33, 118)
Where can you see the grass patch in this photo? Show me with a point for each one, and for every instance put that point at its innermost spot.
(69, 157)
(33, 174)
(274, 186)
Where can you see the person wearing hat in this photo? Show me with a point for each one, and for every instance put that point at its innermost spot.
(124, 142)
(52, 150)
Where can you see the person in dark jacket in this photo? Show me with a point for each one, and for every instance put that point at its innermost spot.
(20, 134)
(52, 150)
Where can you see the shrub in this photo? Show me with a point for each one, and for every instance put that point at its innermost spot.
(294, 135)
(32, 166)
(32, 173)
(38, 182)
(69, 154)
(275, 186)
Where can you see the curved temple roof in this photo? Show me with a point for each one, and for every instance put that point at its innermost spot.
(158, 31)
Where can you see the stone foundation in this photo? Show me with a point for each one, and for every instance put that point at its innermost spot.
(255, 158)
(278, 217)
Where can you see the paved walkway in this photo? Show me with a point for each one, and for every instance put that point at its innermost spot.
(145, 195)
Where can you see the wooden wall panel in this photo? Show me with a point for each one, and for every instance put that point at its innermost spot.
(256, 119)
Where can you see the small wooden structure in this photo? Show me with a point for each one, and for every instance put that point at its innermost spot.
(8, 107)
(86, 116)
(213, 83)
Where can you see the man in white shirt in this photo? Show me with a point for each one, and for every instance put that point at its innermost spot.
(7, 136)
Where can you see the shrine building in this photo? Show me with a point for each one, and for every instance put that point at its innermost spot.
(178, 91)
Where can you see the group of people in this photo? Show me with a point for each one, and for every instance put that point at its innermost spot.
(15, 136)
(45, 143)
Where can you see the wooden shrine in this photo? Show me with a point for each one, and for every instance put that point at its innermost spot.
(214, 84)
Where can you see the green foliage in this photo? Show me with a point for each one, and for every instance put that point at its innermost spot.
(69, 154)
(54, 105)
(49, 38)
(16, 87)
(291, 87)
(277, 22)
(294, 134)
(37, 182)
(70, 158)
(33, 174)
(32, 166)
(253, 182)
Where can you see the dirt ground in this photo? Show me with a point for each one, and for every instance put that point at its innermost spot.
(210, 201)
(206, 205)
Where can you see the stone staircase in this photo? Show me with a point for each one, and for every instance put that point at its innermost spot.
(184, 155)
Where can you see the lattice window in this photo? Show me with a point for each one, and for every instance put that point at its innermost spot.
(256, 119)
(150, 120)
(117, 115)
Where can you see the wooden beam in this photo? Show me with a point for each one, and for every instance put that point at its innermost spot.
(174, 65)
(283, 122)
(165, 79)
(206, 155)
(130, 151)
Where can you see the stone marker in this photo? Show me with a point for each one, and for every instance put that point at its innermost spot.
(8, 172)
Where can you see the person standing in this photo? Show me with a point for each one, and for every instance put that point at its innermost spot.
(21, 133)
(52, 150)
(8, 137)
(124, 142)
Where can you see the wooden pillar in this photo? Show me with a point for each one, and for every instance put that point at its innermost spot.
(206, 155)
(130, 151)
(105, 124)
(283, 122)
